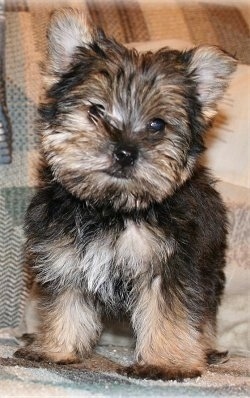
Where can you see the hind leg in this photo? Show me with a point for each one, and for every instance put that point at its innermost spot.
(213, 356)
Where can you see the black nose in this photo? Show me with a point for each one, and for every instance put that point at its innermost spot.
(125, 155)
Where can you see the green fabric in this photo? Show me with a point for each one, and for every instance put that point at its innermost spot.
(23, 378)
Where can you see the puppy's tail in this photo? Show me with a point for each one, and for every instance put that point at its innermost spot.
(216, 357)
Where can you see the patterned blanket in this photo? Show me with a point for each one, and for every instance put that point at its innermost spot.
(5, 130)
(138, 21)
(24, 47)
(96, 378)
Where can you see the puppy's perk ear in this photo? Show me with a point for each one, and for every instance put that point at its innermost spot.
(211, 68)
(68, 30)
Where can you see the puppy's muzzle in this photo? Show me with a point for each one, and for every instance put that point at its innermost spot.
(124, 159)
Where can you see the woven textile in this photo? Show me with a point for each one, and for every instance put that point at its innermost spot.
(5, 130)
(95, 378)
(25, 44)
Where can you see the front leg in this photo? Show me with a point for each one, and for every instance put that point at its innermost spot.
(70, 325)
(168, 345)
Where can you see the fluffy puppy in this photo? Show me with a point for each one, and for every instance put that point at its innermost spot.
(126, 219)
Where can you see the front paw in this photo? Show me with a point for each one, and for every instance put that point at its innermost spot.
(34, 354)
(153, 372)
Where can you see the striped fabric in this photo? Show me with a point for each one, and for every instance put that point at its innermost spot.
(24, 47)
(5, 132)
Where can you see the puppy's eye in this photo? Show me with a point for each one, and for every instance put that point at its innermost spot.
(156, 125)
(96, 110)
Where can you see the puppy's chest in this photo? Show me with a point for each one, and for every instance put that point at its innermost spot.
(107, 261)
(122, 255)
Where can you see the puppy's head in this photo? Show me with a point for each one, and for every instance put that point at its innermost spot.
(120, 127)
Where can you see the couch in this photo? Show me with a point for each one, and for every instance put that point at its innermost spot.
(146, 25)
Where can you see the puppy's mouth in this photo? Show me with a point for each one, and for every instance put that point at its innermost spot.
(120, 173)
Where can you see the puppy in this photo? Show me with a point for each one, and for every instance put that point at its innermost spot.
(126, 219)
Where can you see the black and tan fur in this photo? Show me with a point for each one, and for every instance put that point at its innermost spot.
(126, 220)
